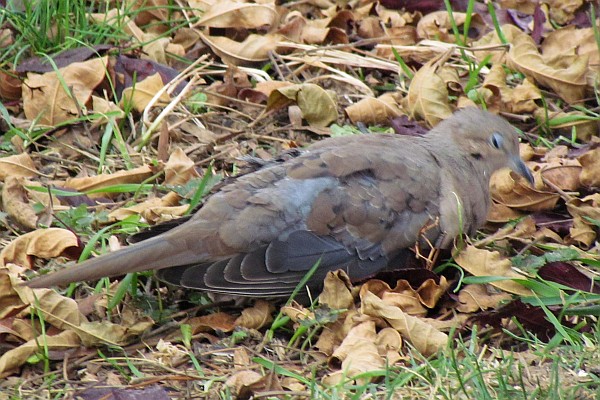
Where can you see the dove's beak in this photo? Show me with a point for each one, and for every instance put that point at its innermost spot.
(517, 165)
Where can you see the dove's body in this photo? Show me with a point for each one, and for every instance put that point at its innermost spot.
(351, 202)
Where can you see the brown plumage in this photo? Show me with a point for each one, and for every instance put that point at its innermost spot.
(352, 202)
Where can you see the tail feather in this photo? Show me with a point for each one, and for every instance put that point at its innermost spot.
(155, 253)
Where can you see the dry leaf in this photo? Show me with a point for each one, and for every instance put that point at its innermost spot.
(136, 175)
(480, 262)
(42, 243)
(421, 335)
(257, 316)
(254, 49)
(45, 99)
(512, 191)
(16, 204)
(568, 81)
(337, 291)
(374, 111)
(427, 95)
(590, 172)
(474, 298)
(140, 95)
(13, 359)
(318, 105)
(179, 169)
(233, 14)
(584, 212)
(18, 165)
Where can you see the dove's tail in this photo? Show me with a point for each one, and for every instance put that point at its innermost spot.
(155, 253)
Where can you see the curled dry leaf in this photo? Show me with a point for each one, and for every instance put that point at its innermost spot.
(563, 173)
(10, 85)
(179, 169)
(407, 298)
(570, 41)
(373, 111)
(59, 311)
(481, 262)
(153, 210)
(257, 316)
(363, 332)
(297, 312)
(438, 26)
(254, 49)
(318, 106)
(358, 353)
(500, 213)
(136, 175)
(335, 332)
(233, 14)
(42, 243)
(584, 212)
(473, 298)
(13, 359)
(423, 336)
(10, 301)
(107, 108)
(45, 99)
(520, 99)
(140, 95)
(103, 332)
(18, 165)
(166, 353)
(568, 81)
(402, 296)
(16, 203)
(590, 172)
(427, 95)
(212, 322)
(242, 379)
(512, 191)
(337, 291)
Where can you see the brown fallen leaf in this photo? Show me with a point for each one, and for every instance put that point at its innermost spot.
(337, 291)
(140, 95)
(427, 96)
(257, 316)
(373, 111)
(255, 48)
(41, 243)
(357, 354)
(481, 262)
(508, 189)
(179, 169)
(423, 336)
(590, 172)
(568, 81)
(437, 25)
(233, 14)
(13, 359)
(136, 175)
(584, 212)
(18, 165)
(45, 99)
(318, 105)
(16, 204)
(474, 298)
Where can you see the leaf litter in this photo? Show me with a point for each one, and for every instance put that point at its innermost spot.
(127, 133)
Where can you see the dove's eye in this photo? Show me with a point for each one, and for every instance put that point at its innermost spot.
(496, 140)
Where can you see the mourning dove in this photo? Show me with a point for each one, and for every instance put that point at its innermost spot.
(351, 203)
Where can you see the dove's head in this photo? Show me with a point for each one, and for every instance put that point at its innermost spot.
(488, 140)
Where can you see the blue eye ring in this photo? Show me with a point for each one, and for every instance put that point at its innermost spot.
(496, 140)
